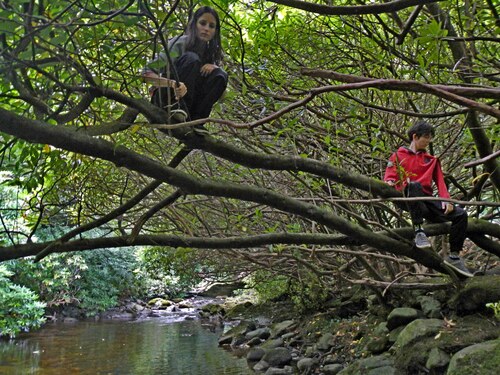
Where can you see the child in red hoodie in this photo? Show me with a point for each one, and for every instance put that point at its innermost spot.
(412, 171)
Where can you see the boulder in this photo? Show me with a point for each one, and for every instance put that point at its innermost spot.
(271, 344)
(438, 360)
(378, 365)
(416, 330)
(477, 292)
(261, 366)
(332, 369)
(325, 342)
(287, 370)
(220, 289)
(254, 341)
(394, 334)
(430, 306)
(378, 340)
(283, 327)
(255, 354)
(402, 316)
(225, 340)
(213, 308)
(261, 333)
(305, 365)
(159, 302)
(277, 357)
(377, 344)
(478, 359)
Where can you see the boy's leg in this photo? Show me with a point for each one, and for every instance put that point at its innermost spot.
(458, 218)
(458, 229)
(418, 210)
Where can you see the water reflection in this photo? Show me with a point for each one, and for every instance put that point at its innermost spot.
(152, 346)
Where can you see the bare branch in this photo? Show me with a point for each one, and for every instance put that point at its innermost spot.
(386, 7)
(415, 86)
(482, 160)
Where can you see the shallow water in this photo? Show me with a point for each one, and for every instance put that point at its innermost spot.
(151, 346)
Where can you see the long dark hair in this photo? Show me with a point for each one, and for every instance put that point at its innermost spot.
(210, 52)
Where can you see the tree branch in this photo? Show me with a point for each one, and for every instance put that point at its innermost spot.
(414, 86)
(386, 7)
(35, 131)
(482, 160)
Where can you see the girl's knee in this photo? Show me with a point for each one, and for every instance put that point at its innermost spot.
(190, 56)
(219, 74)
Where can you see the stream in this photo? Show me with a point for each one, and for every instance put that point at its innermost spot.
(167, 344)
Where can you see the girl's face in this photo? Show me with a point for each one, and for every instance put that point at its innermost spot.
(205, 27)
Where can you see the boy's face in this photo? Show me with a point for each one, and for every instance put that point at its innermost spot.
(422, 142)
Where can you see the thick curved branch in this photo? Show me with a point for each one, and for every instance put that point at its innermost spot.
(385, 7)
(19, 251)
(35, 131)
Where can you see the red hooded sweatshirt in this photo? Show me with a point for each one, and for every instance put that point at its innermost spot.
(405, 166)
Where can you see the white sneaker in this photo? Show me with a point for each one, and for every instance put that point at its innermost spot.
(421, 240)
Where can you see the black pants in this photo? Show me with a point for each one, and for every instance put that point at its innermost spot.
(202, 92)
(434, 212)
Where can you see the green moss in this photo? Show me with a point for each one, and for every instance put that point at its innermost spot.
(461, 333)
(480, 363)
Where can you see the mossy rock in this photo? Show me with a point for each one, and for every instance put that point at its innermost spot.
(479, 359)
(243, 327)
(159, 302)
(476, 293)
(238, 310)
(454, 336)
(378, 365)
(416, 331)
(213, 309)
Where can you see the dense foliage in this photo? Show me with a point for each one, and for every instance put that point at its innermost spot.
(287, 184)
(92, 281)
(20, 309)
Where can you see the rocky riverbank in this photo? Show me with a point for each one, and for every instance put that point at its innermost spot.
(447, 331)
(433, 331)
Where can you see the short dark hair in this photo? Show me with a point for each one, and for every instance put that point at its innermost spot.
(420, 128)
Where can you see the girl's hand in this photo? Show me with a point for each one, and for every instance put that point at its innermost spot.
(207, 69)
(180, 90)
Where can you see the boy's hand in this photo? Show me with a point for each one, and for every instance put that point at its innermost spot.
(448, 208)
